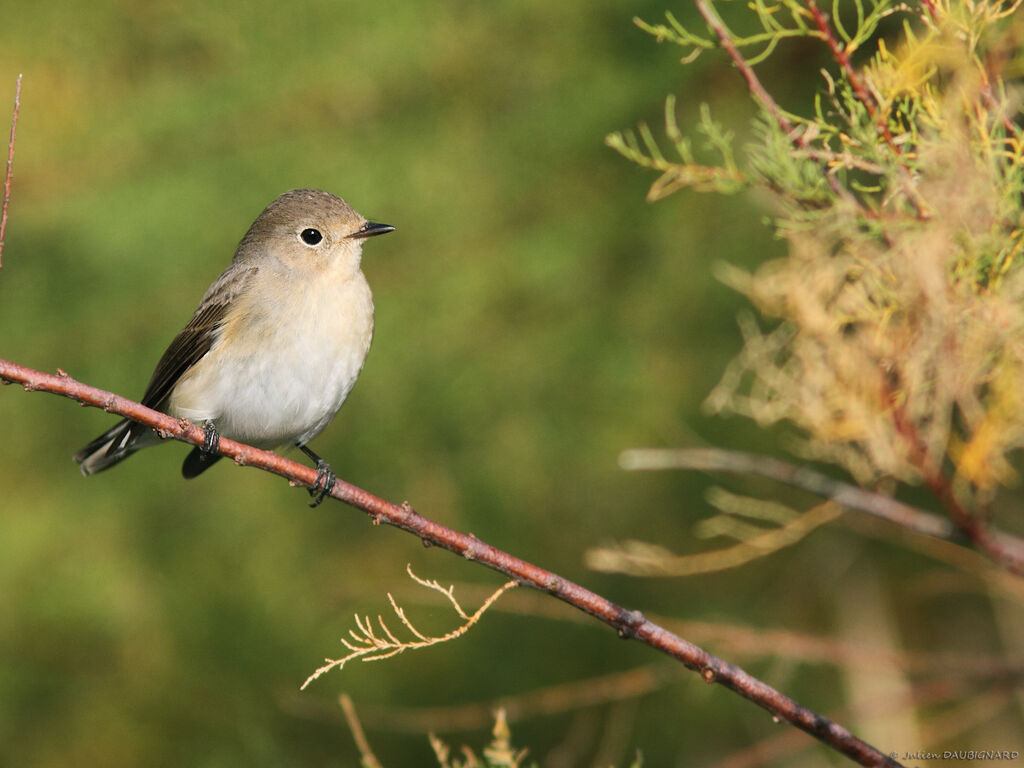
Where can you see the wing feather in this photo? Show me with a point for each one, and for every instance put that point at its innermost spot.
(196, 338)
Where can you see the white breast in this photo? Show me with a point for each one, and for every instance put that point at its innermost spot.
(281, 369)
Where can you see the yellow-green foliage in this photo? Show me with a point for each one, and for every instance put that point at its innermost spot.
(896, 319)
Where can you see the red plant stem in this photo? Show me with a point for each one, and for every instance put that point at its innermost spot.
(932, 10)
(999, 549)
(629, 624)
(843, 59)
(10, 167)
(761, 94)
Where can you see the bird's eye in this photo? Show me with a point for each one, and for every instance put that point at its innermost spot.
(311, 236)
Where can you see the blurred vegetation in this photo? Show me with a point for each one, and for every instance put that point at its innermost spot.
(535, 317)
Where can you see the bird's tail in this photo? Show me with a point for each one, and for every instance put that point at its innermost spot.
(113, 446)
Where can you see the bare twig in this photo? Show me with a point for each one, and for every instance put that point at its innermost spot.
(541, 702)
(10, 166)
(638, 558)
(740, 463)
(843, 59)
(1002, 547)
(366, 757)
(629, 624)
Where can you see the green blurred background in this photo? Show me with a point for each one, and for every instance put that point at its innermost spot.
(535, 317)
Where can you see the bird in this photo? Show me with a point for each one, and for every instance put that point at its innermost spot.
(274, 347)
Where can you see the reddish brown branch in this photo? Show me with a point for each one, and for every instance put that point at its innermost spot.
(629, 624)
(10, 166)
(843, 59)
(1000, 548)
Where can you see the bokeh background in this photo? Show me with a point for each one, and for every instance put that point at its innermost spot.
(535, 317)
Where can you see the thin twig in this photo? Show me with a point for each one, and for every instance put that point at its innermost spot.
(870, 104)
(740, 463)
(540, 702)
(638, 558)
(843, 59)
(629, 624)
(761, 94)
(366, 757)
(1006, 551)
(1001, 547)
(10, 167)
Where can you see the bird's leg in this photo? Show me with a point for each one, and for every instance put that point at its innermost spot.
(211, 443)
(325, 478)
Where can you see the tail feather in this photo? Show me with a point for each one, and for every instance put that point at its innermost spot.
(113, 446)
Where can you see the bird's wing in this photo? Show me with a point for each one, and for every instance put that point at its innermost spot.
(196, 338)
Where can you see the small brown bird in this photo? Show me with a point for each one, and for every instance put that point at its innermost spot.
(274, 347)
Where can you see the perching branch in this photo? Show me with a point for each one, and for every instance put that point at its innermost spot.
(629, 624)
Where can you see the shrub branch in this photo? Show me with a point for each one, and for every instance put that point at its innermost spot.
(629, 624)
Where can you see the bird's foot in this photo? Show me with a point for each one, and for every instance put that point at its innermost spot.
(325, 478)
(324, 483)
(211, 443)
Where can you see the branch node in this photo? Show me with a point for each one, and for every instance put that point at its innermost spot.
(627, 623)
(427, 543)
(62, 373)
(472, 552)
(709, 674)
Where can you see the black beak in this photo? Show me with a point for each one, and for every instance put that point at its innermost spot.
(371, 228)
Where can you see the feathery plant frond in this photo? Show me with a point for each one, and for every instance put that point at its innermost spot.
(725, 178)
(375, 641)
(498, 754)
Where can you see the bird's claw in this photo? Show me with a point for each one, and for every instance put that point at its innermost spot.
(324, 483)
(211, 443)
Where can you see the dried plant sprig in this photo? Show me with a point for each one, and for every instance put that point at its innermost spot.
(367, 759)
(375, 642)
(639, 558)
(738, 462)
